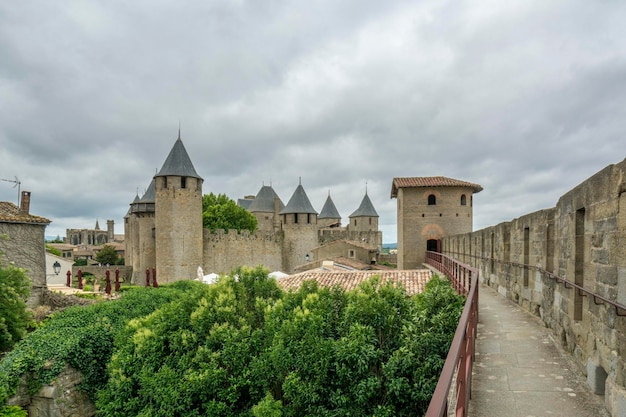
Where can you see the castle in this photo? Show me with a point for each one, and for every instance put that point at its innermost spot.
(163, 229)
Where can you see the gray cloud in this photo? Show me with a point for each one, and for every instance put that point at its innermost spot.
(524, 98)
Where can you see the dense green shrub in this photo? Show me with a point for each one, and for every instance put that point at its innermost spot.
(243, 347)
(82, 337)
(247, 349)
(14, 318)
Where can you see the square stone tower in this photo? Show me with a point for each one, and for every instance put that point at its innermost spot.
(430, 208)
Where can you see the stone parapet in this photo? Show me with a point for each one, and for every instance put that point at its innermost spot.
(582, 239)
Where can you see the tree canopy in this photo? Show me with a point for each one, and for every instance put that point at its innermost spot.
(243, 347)
(221, 212)
(107, 255)
(14, 318)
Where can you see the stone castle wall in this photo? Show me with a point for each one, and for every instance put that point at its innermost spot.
(373, 238)
(224, 251)
(582, 239)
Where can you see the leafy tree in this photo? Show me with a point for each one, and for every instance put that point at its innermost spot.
(14, 318)
(221, 212)
(107, 255)
(54, 251)
(80, 262)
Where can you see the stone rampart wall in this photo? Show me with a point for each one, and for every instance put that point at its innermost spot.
(100, 272)
(582, 239)
(225, 250)
(374, 238)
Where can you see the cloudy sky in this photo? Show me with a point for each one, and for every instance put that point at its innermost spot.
(526, 98)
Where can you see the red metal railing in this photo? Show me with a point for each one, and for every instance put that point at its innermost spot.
(460, 359)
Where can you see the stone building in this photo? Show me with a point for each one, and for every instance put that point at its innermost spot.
(163, 229)
(91, 237)
(430, 208)
(22, 242)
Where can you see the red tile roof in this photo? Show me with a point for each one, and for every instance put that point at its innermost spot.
(10, 213)
(414, 182)
(414, 281)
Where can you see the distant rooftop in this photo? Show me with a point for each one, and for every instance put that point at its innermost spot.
(366, 209)
(329, 211)
(178, 162)
(264, 201)
(298, 203)
(413, 281)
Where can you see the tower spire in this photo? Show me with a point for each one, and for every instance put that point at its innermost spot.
(179, 129)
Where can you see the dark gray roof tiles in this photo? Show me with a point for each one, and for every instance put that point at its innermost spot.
(244, 202)
(150, 194)
(329, 211)
(178, 163)
(298, 203)
(264, 201)
(366, 209)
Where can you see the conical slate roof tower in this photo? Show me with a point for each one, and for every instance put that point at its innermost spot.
(299, 203)
(178, 217)
(329, 216)
(365, 217)
(265, 207)
(178, 162)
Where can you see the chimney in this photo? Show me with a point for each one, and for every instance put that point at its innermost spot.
(25, 202)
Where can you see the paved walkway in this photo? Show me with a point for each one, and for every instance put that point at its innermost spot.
(520, 371)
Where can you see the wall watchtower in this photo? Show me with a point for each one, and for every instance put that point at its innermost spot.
(430, 208)
(178, 217)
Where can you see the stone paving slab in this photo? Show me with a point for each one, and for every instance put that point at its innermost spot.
(520, 371)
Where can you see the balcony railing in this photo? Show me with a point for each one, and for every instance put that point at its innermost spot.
(458, 366)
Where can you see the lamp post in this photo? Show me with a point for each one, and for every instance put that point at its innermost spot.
(57, 267)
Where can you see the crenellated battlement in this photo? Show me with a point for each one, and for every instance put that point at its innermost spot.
(220, 235)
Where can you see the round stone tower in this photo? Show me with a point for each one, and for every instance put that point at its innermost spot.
(142, 243)
(299, 223)
(430, 208)
(178, 217)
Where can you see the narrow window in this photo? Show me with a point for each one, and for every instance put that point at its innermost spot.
(432, 200)
(295, 218)
(183, 182)
(164, 182)
(355, 222)
(526, 255)
(550, 248)
(370, 221)
(579, 262)
(463, 200)
(308, 218)
(493, 250)
(351, 253)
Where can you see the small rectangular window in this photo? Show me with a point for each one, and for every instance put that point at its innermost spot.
(183, 182)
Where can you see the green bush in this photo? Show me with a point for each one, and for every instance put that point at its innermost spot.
(243, 347)
(14, 318)
(247, 349)
(82, 337)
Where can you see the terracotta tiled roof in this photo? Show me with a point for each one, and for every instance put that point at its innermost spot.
(414, 281)
(414, 182)
(10, 213)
